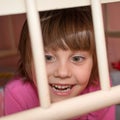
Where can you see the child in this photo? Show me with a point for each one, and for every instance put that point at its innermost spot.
(71, 63)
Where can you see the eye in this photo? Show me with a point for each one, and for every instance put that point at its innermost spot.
(50, 58)
(77, 59)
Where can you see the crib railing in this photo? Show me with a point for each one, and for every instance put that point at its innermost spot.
(18, 6)
(105, 97)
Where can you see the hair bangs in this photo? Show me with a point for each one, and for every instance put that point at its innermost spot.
(68, 31)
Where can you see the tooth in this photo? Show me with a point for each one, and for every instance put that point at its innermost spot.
(61, 87)
(55, 86)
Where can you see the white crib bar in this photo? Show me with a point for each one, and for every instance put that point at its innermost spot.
(17, 7)
(72, 107)
(78, 105)
(100, 44)
(38, 52)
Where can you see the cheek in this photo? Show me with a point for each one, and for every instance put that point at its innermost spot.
(83, 73)
(50, 69)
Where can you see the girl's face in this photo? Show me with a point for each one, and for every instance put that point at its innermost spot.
(68, 72)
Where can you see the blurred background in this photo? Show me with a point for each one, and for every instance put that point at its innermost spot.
(10, 27)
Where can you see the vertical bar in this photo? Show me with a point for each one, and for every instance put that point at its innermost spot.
(100, 44)
(38, 52)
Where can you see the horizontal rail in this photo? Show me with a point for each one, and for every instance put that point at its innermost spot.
(7, 53)
(8, 7)
(112, 33)
(99, 99)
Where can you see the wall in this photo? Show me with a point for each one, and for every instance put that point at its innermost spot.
(113, 19)
(10, 27)
(9, 37)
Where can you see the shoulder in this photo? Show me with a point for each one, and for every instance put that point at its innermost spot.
(91, 88)
(18, 85)
(20, 95)
(17, 81)
(107, 113)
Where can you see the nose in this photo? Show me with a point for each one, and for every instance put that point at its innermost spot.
(63, 71)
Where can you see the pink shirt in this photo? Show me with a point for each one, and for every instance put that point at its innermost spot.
(22, 95)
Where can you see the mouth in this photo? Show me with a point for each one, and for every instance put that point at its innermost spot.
(61, 89)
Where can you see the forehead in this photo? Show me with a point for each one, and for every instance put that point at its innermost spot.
(59, 50)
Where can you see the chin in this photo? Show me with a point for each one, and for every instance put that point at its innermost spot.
(58, 99)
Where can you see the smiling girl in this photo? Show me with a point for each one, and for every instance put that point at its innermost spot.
(71, 64)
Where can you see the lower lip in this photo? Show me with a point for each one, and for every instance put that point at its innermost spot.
(61, 93)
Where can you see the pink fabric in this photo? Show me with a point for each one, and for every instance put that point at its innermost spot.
(21, 95)
(1, 102)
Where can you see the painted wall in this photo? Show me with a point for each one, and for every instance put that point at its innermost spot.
(113, 19)
(10, 27)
